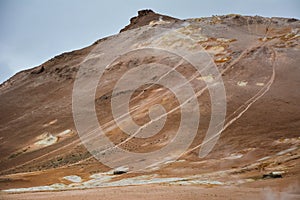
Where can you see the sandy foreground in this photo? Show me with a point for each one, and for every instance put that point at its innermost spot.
(158, 192)
(269, 189)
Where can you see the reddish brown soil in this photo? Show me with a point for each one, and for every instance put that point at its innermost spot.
(262, 50)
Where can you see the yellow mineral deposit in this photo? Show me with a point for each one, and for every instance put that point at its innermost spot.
(50, 123)
(222, 59)
(215, 49)
(225, 40)
(260, 84)
(208, 78)
(242, 83)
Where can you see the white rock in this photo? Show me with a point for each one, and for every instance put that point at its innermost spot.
(242, 83)
(73, 178)
(47, 139)
(65, 132)
(278, 172)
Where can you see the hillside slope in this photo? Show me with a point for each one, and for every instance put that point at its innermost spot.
(258, 62)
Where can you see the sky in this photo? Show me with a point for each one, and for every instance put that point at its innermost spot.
(33, 31)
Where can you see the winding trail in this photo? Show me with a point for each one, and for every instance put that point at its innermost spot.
(247, 105)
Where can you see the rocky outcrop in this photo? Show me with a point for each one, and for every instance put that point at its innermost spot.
(144, 18)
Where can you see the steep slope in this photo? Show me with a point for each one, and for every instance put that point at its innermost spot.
(257, 59)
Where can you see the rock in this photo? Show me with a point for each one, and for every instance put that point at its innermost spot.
(39, 70)
(73, 178)
(144, 12)
(144, 18)
(46, 140)
(120, 170)
(277, 174)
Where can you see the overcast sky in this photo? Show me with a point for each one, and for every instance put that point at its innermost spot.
(33, 31)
